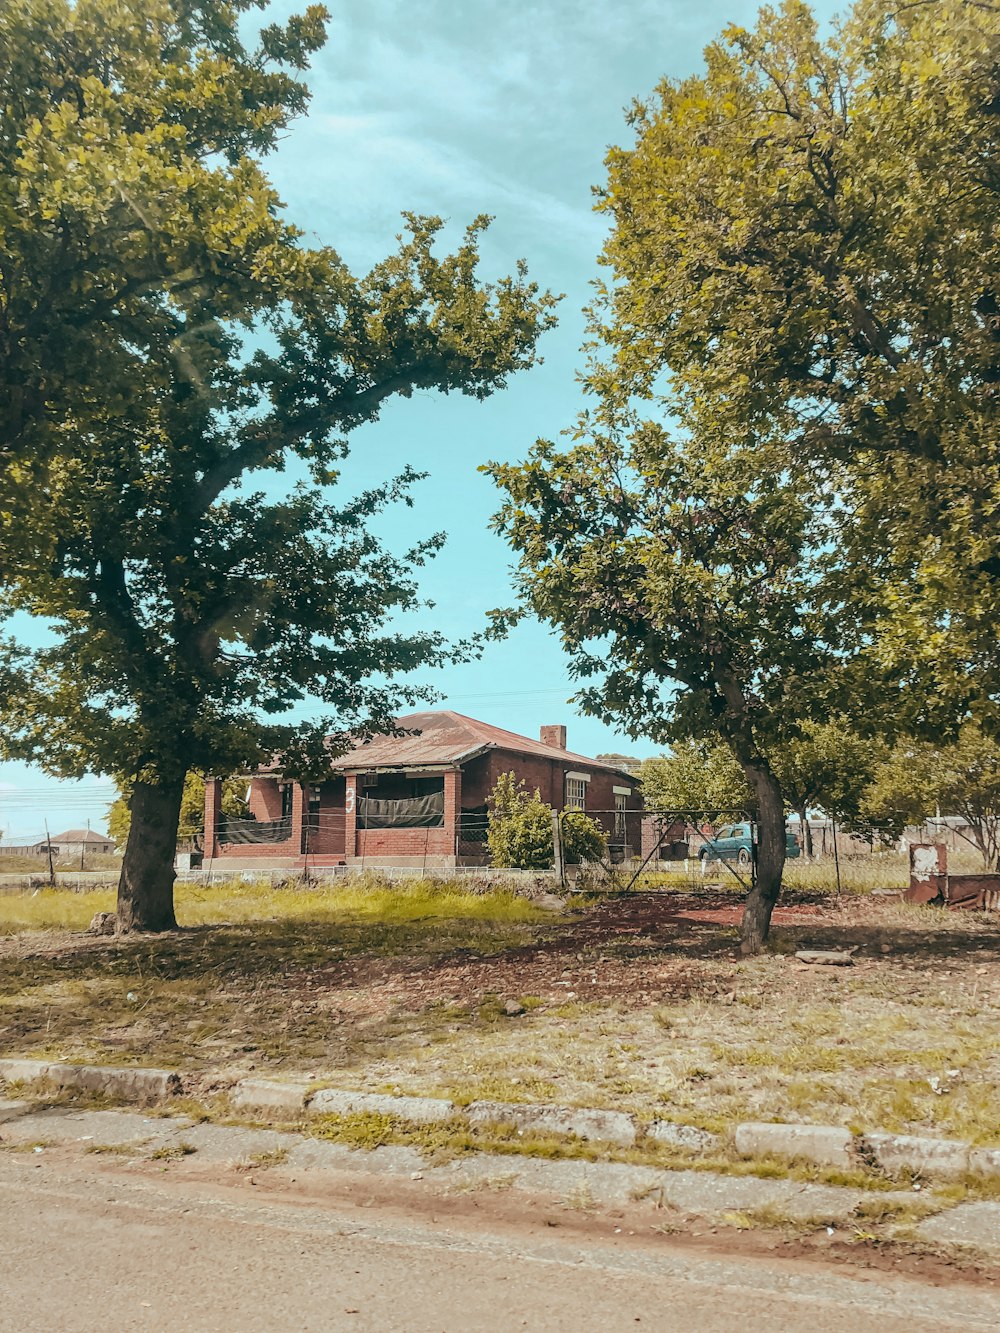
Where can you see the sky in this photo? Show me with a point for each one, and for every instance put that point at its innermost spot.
(455, 109)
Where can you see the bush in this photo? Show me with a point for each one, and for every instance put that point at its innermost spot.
(583, 838)
(520, 827)
(520, 830)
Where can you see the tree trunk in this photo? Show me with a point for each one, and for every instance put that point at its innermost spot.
(771, 849)
(807, 837)
(146, 884)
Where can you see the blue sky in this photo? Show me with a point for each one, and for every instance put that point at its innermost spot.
(458, 109)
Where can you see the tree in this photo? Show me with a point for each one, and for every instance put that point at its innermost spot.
(190, 608)
(192, 809)
(696, 776)
(779, 379)
(680, 572)
(133, 212)
(519, 834)
(629, 763)
(829, 767)
(919, 780)
(805, 242)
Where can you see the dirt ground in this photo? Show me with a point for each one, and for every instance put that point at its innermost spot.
(641, 1003)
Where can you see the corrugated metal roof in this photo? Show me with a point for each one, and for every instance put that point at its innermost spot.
(79, 835)
(446, 737)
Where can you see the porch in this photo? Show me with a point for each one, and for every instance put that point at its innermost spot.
(402, 817)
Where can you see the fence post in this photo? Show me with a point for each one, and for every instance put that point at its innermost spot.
(558, 860)
(836, 855)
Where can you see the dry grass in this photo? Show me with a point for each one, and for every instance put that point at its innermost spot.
(860, 873)
(399, 989)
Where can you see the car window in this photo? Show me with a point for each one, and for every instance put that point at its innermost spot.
(741, 831)
(726, 832)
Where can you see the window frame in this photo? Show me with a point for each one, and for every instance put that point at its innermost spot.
(575, 799)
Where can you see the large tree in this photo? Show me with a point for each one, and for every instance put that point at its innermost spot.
(191, 598)
(791, 455)
(681, 575)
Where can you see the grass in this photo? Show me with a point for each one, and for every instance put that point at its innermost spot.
(233, 902)
(639, 1004)
(172, 1152)
(860, 873)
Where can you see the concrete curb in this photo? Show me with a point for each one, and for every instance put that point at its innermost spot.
(144, 1086)
(822, 1145)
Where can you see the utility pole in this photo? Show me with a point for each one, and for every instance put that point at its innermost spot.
(48, 848)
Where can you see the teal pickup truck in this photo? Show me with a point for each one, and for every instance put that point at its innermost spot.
(735, 843)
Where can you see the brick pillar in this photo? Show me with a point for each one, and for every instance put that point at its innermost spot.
(213, 807)
(351, 815)
(453, 804)
(298, 807)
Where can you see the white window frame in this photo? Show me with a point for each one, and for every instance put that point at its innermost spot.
(621, 795)
(575, 797)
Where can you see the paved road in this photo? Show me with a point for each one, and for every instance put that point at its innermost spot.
(86, 1249)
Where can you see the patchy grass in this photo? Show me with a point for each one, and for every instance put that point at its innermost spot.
(640, 1003)
(172, 1152)
(860, 873)
(261, 1161)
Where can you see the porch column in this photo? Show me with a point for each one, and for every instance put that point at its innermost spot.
(298, 808)
(453, 804)
(351, 815)
(213, 807)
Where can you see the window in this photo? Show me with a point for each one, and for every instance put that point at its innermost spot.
(621, 805)
(576, 792)
(286, 800)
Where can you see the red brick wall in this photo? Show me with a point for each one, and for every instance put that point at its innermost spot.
(327, 838)
(376, 842)
(265, 798)
(338, 835)
(213, 802)
(265, 804)
(548, 776)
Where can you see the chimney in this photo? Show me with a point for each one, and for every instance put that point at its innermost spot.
(554, 736)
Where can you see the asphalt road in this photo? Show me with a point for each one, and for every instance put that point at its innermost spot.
(86, 1249)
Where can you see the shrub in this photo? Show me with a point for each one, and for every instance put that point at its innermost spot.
(520, 829)
(583, 837)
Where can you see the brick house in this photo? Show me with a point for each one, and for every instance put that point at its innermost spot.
(418, 800)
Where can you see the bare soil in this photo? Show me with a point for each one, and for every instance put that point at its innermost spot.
(639, 1002)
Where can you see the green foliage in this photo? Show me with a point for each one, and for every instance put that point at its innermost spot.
(519, 835)
(804, 252)
(780, 502)
(520, 830)
(696, 775)
(583, 838)
(192, 816)
(135, 221)
(919, 780)
(827, 768)
(166, 340)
